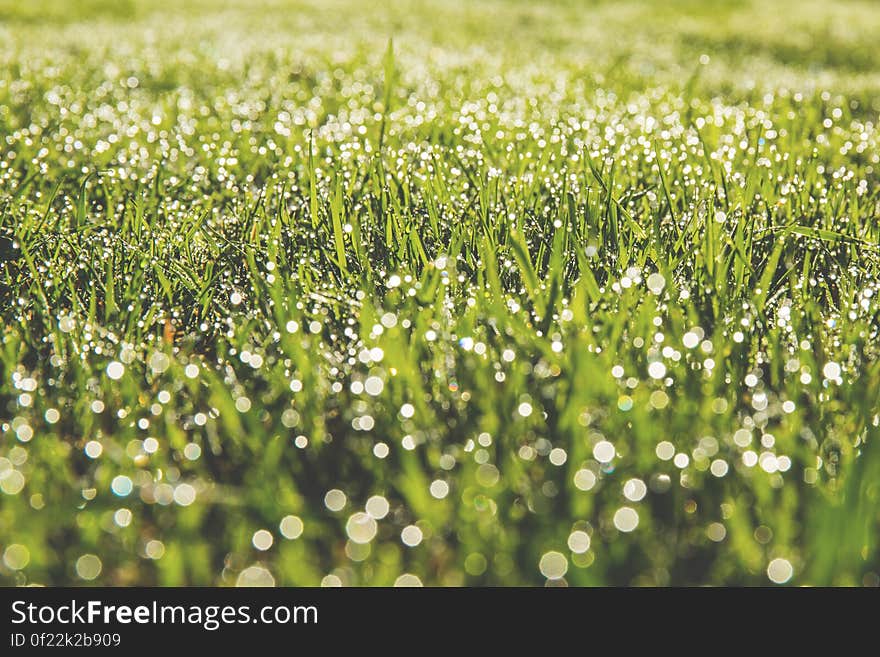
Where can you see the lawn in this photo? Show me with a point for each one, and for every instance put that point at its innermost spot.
(439, 292)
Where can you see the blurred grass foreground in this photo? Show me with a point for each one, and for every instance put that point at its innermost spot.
(441, 293)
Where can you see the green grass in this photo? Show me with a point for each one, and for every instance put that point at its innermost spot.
(529, 274)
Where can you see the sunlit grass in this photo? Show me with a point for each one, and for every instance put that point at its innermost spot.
(451, 293)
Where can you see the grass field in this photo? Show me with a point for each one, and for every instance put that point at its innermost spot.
(450, 293)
